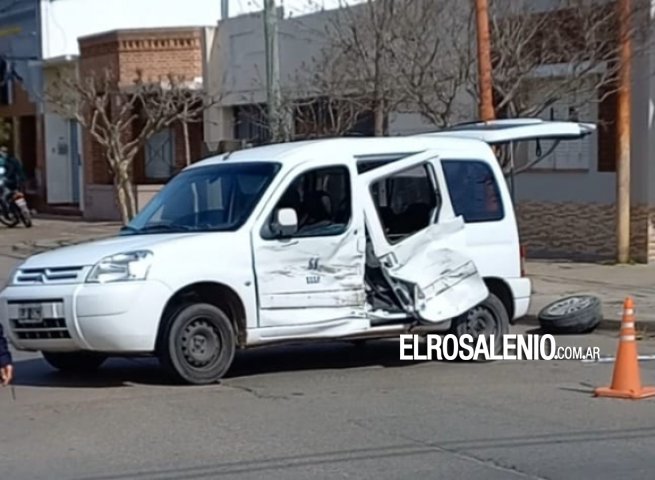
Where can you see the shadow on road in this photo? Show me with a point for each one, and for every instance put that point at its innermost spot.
(264, 360)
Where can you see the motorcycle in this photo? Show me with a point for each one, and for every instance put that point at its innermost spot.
(15, 210)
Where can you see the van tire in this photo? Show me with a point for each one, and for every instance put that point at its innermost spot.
(79, 362)
(197, 344)
(573, 315)
(487, 318)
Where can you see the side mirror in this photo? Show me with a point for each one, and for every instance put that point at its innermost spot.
(286, 222)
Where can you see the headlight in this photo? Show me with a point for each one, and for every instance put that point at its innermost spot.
(121, 268)
(12, 275)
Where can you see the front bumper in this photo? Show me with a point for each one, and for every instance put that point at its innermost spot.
(113, 318)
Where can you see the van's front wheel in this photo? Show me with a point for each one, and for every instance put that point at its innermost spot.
(197, 345)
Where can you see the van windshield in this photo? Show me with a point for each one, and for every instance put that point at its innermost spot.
(212, 198)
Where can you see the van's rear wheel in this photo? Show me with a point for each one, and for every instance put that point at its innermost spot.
(74, 361)
(197, 344)
(485, 319)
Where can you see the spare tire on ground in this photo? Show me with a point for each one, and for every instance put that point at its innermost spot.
(574, 314)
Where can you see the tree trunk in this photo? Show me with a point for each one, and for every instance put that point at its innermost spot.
(378, 113)
(124, 190)
(122, 201)
(187, 145)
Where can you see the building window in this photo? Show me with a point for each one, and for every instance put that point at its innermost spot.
(160, 155)
(473, 191)
(250, 123)
(568, 155)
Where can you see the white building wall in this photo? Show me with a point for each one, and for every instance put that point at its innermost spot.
(64, 21)
(237, 65)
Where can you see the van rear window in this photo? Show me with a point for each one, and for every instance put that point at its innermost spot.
(473, 190)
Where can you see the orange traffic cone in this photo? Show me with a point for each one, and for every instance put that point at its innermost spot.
(626, 381)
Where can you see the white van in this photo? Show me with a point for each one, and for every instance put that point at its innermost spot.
(328, 239)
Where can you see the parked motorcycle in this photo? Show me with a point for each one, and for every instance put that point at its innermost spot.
(15, 210)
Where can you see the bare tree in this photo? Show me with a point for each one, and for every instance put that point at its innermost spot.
(432, 58)
(403, 56)
(565, 52)
(188, 105)
(318, 100)
(361, 41)
(121, 119)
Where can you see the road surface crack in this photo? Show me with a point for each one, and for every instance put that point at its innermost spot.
(488, 463)
(258, 394)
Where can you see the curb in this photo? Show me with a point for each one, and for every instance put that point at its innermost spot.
(606, 325)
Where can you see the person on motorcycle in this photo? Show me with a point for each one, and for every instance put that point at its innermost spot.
(12, 175)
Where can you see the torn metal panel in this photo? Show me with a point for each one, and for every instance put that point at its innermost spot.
(302, 280)
(431, 279)
(447, 280)
(334, 327)
(314, 319)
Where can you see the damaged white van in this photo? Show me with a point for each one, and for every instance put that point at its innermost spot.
(326, 239)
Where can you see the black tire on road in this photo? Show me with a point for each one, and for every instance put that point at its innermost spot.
(10, 222)
(574, 314)
(197, 344)
(487, 318)
(74, 361)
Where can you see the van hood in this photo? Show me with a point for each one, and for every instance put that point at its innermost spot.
(90, 253)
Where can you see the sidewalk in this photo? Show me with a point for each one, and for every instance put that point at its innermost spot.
(611, 283)
(21, 242)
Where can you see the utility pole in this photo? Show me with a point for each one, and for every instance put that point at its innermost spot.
(623, 134)
(276, 122)
(484, 61)
(225, 9)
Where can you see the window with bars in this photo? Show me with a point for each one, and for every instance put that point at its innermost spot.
(160, 155)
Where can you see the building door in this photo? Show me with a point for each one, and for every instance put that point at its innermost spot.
(75, 161)
(58, 160)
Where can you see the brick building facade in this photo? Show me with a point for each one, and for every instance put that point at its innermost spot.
(156, 53)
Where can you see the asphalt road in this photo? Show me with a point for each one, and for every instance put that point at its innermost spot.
(329, 411)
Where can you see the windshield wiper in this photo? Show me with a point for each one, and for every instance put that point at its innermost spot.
(162, 227)
(128, 228)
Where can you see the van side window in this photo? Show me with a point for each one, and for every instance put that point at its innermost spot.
(406, 202)
(322, 200)
(473, 190)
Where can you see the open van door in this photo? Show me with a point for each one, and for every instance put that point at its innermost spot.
(516, 130)
(431, 280)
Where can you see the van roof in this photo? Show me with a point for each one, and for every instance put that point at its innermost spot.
(292, 153)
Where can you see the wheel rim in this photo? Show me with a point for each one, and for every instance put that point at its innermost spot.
(569, 305)
(481, 321)
(199, 344)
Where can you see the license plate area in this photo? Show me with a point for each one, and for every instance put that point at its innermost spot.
(38, 320)
(30, 313)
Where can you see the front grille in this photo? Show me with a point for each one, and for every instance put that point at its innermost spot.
(51, 326)
(40, 276)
